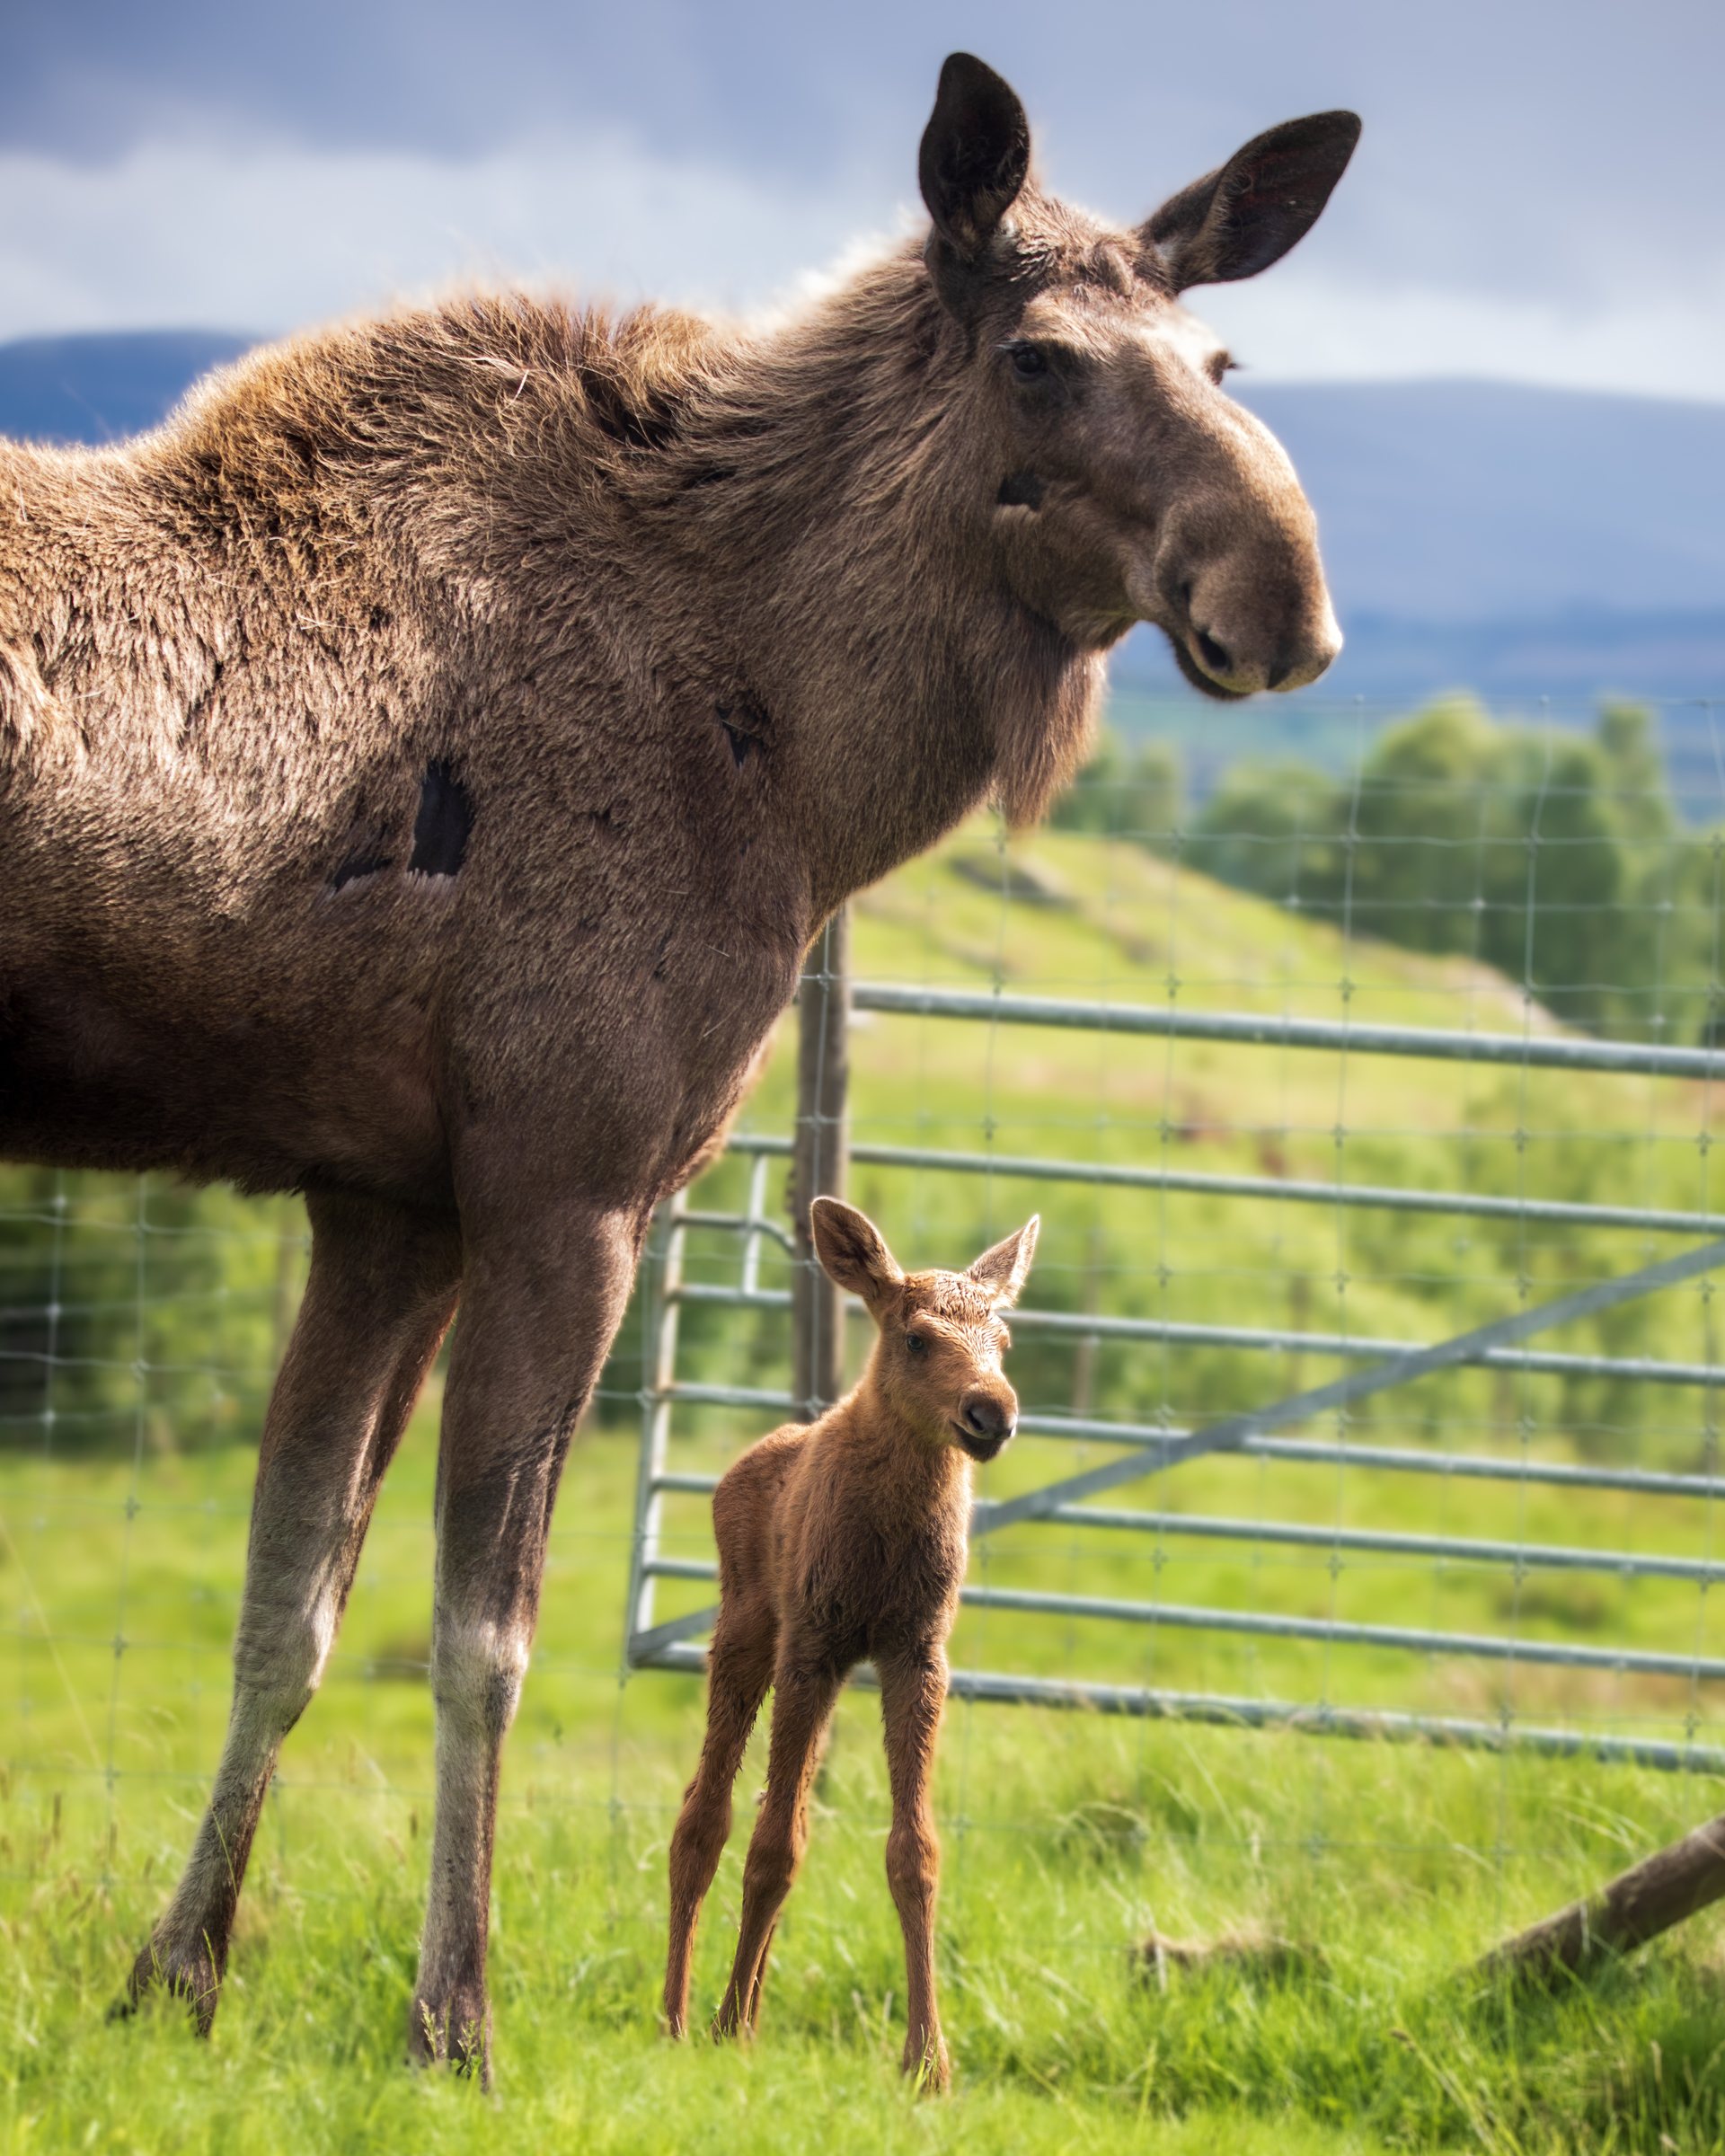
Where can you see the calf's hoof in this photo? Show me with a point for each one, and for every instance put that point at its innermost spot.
(928, 2065)
(187, 1973)
(454, 2031)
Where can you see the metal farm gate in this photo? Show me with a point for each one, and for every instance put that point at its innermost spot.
(757, 1262)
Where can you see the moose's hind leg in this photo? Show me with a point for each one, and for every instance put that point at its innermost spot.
(739, 1669)
(380, 1294)
(805, 1684)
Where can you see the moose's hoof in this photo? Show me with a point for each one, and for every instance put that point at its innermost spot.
(928, 2065)
(454, 2031)
(189, 1973)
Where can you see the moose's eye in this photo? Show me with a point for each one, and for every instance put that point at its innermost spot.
(915, 1344)
(1028, 362)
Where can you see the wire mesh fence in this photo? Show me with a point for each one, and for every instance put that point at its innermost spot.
(1306, 1074)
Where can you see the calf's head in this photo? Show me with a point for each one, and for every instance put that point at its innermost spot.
(936, 1363)
(1121, 484)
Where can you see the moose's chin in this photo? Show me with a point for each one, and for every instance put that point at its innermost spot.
(1204, 684)
(982, 1450)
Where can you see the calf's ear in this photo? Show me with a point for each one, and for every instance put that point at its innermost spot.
(1003, 1269)
(852, 1249)
(974, 152)
(1246, 214)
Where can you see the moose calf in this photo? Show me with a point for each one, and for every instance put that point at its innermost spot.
(839, 1542)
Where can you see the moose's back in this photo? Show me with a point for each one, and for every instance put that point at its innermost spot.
(205, 708)
(236, 701)
(359, 774)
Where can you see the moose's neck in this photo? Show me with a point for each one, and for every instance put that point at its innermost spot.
(835, 486)
(908, 1476)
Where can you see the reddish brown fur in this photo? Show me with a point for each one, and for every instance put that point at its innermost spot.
(701, 629)
(842, 1542)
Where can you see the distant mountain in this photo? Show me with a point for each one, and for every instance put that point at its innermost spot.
(101, 389)
(1528, 544)
(1469, 501)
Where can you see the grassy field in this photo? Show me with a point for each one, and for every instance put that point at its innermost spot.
(1068, 1836)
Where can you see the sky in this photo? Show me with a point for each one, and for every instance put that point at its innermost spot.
(1537, 196)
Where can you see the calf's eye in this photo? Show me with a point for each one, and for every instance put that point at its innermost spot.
(915, 1344)
(1028, 362)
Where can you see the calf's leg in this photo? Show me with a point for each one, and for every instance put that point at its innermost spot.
(913, 1694)
(381, 1291)
(542, 1299)
(739, 1669)
(805, 1685)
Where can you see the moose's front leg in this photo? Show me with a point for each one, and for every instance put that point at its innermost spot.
(542, 1301)
(913, 1694)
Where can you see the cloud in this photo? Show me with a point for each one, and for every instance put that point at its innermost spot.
(274, 234)
(1344, 327)
(1557, 148)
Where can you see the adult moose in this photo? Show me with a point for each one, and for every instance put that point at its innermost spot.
(425, 760)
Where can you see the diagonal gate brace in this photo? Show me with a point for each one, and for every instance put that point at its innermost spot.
(644, 1645)
(1232, 1431)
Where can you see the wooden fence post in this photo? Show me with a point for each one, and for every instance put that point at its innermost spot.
(818, 1164)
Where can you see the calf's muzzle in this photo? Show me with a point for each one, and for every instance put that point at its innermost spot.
(986, 1419)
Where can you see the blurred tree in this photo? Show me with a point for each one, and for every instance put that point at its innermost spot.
(1279, 829)
(1422, 843)
(131, 1308)
(1556, 858)
(1629, 743)
(1137, 795)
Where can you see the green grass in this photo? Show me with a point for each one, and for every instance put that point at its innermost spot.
(1066, 1836)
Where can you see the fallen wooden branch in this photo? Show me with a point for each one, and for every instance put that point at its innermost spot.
(1640, 1903)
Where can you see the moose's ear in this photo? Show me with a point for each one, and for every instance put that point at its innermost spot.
(1003, 1269)
(851, 1248)
(976, 152)
(1245, 215)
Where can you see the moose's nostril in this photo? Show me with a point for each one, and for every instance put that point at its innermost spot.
(986, 1416)
(1215, 656)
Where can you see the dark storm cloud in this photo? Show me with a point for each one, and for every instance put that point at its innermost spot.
(93, 77)
(1543, 146)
